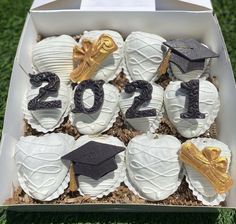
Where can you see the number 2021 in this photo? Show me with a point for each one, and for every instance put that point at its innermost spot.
(191, 89)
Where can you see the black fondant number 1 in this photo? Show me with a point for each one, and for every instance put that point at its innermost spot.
(145, 96)
(96, 87)
(52, 87)
(192, 89)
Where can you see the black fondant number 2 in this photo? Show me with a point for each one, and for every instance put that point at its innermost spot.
(145, 89)
(96, 87)
(192, 90)
(52, 87)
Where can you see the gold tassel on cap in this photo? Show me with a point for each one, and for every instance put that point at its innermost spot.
(208, 163)
(90, 56)
(162, 69)
(73, 182)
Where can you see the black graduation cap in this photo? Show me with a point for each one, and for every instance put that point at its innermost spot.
(94, 159)
(189, 54)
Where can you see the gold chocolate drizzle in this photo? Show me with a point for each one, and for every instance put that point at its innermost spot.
(90, 56)
(162, 69)
(208, 163)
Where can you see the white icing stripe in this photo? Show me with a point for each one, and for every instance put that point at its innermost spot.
(54, 54)
(138, 165)
(143, 55)
(152, 165)
(37, 155)
(41, 172)
(35, 189)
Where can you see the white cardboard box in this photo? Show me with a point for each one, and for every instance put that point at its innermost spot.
(168, 18)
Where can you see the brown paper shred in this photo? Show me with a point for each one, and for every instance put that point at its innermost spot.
(211, 132)
(207, 69)
(122, 195)
(214, 81)
(164, 80)
(39, 38)
(77, 37)
(183, 196)
(166, 127)
(120, 81)
(28, 130)
(66, 127)
(71, 200)
(121, 131)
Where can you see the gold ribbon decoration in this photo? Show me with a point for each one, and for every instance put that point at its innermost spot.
(88, 57)
(162, 69)
(208, 163)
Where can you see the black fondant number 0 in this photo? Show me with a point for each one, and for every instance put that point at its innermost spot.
(145, 96)
(96, 87)
(52, 87)
(192, 89)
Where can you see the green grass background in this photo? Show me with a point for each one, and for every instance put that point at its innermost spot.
(12, 16)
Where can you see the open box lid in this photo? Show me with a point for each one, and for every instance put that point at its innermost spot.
(123, 5)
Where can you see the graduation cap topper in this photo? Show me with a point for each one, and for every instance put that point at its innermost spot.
(189, 54)
(94, 159)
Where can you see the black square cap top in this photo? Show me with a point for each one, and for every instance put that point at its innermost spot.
(93, 153)
(94, 159)
(190, 49)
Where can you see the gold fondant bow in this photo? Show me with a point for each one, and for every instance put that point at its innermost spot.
(88, 57)
(209, 163)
